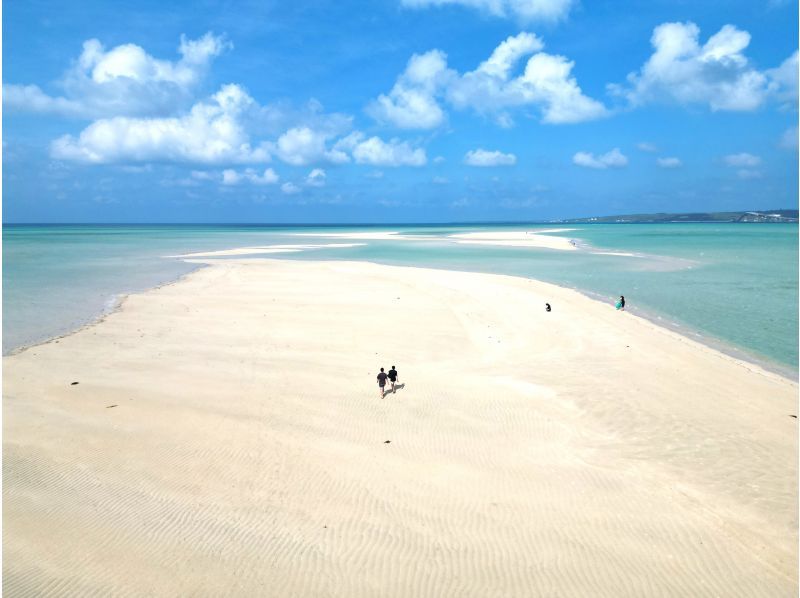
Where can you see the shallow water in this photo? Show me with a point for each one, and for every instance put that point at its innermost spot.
(730, 283)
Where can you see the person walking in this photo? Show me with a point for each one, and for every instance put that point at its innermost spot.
(382, 382)
(393, 377)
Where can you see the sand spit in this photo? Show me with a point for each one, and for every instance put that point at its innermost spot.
(264, 249)
(224, 437)
(368, 236)
(533, 238)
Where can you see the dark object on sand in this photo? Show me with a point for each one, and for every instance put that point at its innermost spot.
(547, 307)
(794, 416)
(111, 406)
(386, 441)
(73, 384)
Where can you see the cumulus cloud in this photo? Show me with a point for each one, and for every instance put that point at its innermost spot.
(646, 146)
(789, 138)
(201, 175)
(493, 88)
(522, 10)
(227, 128)
(122, 81)
(742, 160)
(746, 165)
(612, 159)
(749, 173)
(783, 82)
(481, 157)
(212, 132)
(316, 178)
(669, 162)
(250, 175)
(716, 73)
(411, 104)
(290, 188)
(218, 131)
(230, 177)
(377, 152)
(300, 146)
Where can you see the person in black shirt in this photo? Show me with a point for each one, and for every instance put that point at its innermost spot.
(547, 307)
(382, 382)
(393, 377)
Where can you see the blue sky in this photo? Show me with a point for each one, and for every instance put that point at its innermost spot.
(396, 110)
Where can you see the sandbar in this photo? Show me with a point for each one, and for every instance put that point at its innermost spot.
(224, 436)
(533, 238)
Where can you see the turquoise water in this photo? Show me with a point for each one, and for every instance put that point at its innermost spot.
(735, 284)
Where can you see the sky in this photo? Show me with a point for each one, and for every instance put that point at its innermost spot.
(396, 111)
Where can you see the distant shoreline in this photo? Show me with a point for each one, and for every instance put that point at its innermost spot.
(597, 220)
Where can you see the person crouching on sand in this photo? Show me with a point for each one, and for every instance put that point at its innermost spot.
(393, 377)
(382, 382)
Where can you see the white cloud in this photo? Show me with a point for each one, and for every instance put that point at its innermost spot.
(290, 188)
(230, 177)
(123, 81)
(411, 103)
(669, 162)
(748, 173)
(742, 160)
(716, 73)
(522, 10)
(217, 131)
(268, 177)
(789, 138)
(377, 152)
(612, 159)
(492, 88)
(646, 146)
(212, 132)
(783, 81)
(300, 146)
(481, 157)
(439, 159)
(316, 178)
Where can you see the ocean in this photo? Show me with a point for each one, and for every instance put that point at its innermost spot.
(732, 286)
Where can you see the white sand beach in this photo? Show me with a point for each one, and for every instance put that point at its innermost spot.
(224, 436)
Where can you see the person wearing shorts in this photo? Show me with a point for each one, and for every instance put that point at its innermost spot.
(393, 377)
(382, 382)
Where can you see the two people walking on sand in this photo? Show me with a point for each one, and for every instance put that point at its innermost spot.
(383, 376)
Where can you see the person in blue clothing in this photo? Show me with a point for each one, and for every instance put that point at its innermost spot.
(621, 303)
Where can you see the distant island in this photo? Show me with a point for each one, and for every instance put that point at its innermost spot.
(761, 216)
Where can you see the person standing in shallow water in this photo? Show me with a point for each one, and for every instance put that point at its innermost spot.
(393, 377)
(381, 382)
(621, 303)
